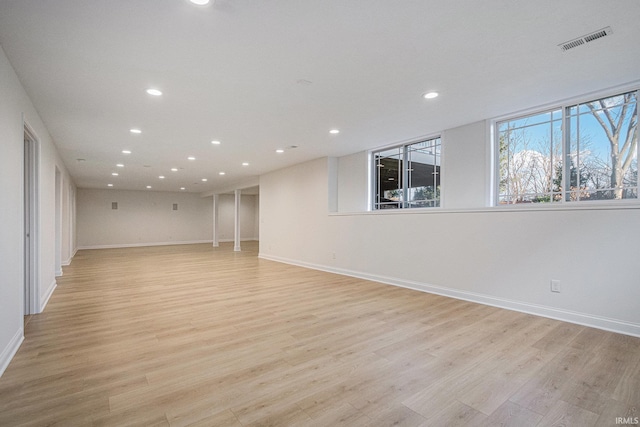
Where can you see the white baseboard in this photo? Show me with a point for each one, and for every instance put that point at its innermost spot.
(10, 350)
(68, 261)
(607, 324)
(137, 245)
(47, 296)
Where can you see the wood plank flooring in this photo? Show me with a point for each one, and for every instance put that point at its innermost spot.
(202, 336)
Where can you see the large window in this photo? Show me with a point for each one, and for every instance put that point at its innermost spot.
(407, 176)
(581, 152)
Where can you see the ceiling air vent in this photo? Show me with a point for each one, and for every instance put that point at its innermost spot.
(585, 39)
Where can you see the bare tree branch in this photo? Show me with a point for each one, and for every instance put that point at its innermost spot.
(604, 126)
(629, 159)
(631, 130)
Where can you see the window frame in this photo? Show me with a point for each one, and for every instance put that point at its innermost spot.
(404, 204)
(563, 106)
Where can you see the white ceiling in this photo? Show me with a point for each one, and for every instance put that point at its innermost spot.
(231, 71)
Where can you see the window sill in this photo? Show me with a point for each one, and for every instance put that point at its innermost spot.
(592, 206)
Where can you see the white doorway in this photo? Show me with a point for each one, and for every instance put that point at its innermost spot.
(31, 157)
(58, 224)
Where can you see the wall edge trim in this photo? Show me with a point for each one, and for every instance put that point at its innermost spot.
(10, 350)
(47, 296)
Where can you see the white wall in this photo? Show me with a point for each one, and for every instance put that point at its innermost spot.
(256, 217)
(142, 218)
(226, 217)
(67, 207)
(294, 221)
(15, 107)
(464, 166)
(147, 218)
(353, 177)
(504, 257)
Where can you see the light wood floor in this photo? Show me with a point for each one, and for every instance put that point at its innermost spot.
(192, 335)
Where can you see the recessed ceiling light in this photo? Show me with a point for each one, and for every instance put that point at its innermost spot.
(280, 151)
(174, 169)
(200, 2)
(148, 186)
(430, 95)
(120, 165)
(245, 164)
(334, 131)
(182, 188)
(135, 131)
(221, 173)
(204, 179)
(191, 158)
(109, 185)
(161, 177)
(154, 92)
(126, 152)
(81, 160)
(114, 173)
(215, 142)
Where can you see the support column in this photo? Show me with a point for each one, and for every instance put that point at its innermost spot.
(236, 246)
(216, 234)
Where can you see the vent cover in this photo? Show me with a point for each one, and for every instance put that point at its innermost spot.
(585, 39)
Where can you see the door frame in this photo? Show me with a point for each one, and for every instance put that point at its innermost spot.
(31, 207)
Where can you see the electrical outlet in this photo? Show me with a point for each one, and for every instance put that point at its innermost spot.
(333, 255)
(555, 285)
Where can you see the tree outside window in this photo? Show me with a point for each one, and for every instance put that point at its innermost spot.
(594, 156)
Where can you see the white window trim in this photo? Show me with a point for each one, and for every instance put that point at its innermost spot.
(371, 189)
(492, 194)
(527, 207)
